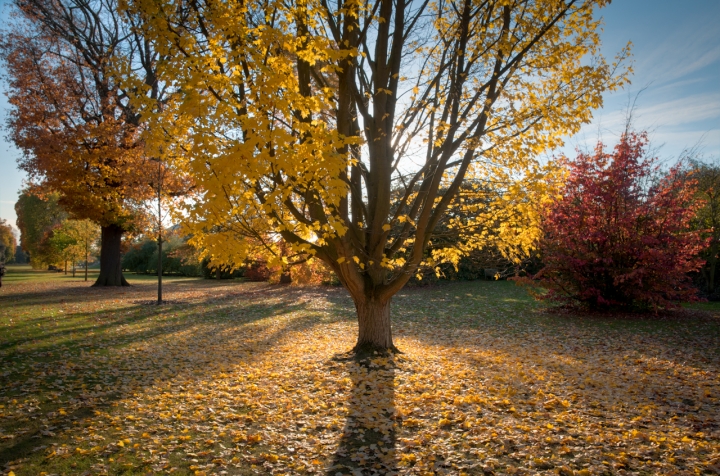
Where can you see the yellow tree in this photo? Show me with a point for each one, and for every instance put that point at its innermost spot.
(80, 239)
(348, 129)
(8, 243)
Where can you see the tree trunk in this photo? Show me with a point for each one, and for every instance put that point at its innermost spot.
(73, 267)
(713, 262)
(110, 264)
(65, 267)
(285, 277)
(375, 333)
(218, 273)
(159, 266)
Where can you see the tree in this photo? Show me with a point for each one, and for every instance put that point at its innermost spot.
(304, 117)
(707, 176)
(7, 239)
(61, 245)
(80, 238)
(36, 217)
(619, 238)
(79, 135)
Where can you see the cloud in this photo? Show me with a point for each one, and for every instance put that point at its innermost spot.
(690, 48)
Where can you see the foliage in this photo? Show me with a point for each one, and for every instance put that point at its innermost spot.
(299, 119)
(707, 218)
(36, 217)
(80, 238)
(615, 238)
(178, 257)
(247, 378)
(20, 256)
(79, 134)
(69, 118)
(8, 243)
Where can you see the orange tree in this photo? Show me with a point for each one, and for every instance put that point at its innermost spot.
(347, 129)
(72, 120)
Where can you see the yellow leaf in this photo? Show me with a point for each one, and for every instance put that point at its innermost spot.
(386, 227)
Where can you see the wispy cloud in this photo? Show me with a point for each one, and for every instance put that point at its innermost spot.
(687, 50)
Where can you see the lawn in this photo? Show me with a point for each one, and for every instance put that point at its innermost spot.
(251, 378)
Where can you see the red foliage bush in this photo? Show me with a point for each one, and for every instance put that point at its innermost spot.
(257, 271)
(618, 238)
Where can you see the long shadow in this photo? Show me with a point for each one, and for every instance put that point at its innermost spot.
(49, 357)
(368, 442)
(78, 293)
(135, 314)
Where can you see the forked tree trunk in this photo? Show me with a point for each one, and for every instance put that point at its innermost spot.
(375, 332)
(110, 264)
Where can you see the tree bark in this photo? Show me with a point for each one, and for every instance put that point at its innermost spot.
(375, 332)
(159, 271)
(712, 261)
(110, 264)
(285, 277)
(73, 268)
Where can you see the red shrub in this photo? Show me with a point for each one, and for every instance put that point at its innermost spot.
(257, 271)
(618, 239)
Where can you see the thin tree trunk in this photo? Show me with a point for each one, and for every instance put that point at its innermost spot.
(218, 273)
(73, 268)
(159, 218)
(713, 262)
(375, 332)
(65, 267)
(159, 300)
(110, 264)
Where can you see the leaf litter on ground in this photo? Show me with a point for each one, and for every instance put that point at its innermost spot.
(248, 378)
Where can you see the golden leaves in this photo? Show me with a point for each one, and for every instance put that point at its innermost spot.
(242, 377)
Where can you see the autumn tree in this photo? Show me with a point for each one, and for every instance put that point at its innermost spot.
(707, 219)
(36, 217)
(8, 241)
(618, 237)
(70, 117)
(78, 241)
(347, 129)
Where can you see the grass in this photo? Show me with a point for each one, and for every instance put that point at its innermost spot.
(249, 378)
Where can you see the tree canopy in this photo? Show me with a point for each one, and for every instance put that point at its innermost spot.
(348, 129)
(79, 134)
(8, 243)
(36, 217)
(617, 237)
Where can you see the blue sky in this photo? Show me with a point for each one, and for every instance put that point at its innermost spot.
(676, 58)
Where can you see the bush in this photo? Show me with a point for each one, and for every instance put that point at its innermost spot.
(618, 238)
(178, 258)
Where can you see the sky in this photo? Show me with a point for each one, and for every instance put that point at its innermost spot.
(675, 85)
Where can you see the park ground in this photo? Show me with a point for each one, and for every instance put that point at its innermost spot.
(251, 378)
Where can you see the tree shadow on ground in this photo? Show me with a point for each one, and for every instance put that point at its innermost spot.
(61, 355)
(367, 445)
